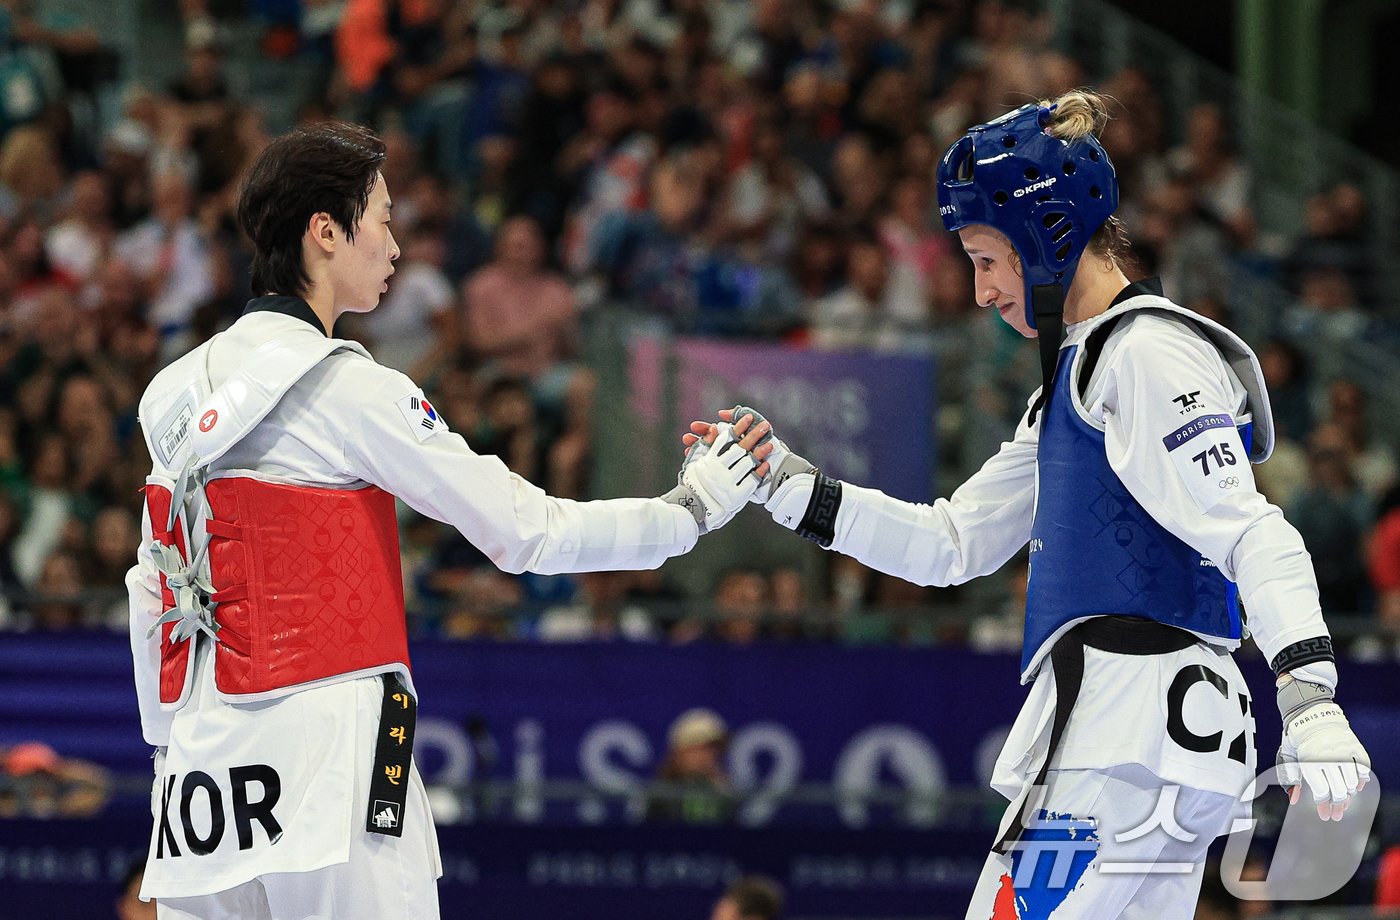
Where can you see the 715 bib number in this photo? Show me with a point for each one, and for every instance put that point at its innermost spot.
(1220, 453)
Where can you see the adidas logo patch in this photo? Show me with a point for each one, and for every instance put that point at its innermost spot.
(386, 814)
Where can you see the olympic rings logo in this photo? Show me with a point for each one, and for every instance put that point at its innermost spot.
(1230, 482)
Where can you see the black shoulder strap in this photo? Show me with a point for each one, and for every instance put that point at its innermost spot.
(1049, 307)
(1093, 350)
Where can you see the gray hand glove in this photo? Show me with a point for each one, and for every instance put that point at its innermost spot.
(715, 480)
(782, 462)
(795, 492)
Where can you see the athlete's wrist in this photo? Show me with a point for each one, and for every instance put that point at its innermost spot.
(1295, 696)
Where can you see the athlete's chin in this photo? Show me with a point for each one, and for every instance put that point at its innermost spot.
(364, 306)
(1026, 331)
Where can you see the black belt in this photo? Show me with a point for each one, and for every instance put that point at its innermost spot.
(393, 756)
(1121, 635)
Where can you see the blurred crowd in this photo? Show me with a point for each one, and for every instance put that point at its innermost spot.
(754, 170)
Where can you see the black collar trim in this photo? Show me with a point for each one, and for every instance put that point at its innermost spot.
(288, 306)
(1138, 288)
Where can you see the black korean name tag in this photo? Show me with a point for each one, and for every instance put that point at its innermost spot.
(393, 753)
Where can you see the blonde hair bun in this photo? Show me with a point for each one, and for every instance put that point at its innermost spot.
(1078, 113)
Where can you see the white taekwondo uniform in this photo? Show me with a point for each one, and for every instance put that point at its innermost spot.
(1142, 722)
(243, 715)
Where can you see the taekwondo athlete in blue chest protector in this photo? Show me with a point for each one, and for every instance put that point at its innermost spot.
(1129, 477)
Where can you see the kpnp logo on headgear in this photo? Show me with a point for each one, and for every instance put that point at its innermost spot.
(1034, 187)
(208, 420)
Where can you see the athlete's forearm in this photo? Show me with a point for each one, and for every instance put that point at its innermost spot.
(946, 543)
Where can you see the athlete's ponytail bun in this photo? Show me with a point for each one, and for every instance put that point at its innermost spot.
(1078, 114)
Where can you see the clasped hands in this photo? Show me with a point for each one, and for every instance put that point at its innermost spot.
(737, 460)
(725, 463)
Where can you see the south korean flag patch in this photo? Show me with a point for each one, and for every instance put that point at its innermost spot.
(423, 419)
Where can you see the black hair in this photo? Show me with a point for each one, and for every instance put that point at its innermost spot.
(327, 167)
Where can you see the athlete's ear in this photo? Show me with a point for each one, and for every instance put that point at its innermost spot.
(321, 230)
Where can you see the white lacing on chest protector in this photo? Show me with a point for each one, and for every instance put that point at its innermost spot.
(189, 582)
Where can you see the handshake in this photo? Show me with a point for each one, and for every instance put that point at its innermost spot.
(739, 460)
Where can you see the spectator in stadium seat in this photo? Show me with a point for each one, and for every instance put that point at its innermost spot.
(649, 258)
(858, 177)
(50, 502)
(517, 314)
(364, 47)
(509, 427)
(740, 601)
(113, 302)
(878, 307)
(811, 117)
(817, 264)
(1332, 513)
(1285, 473)
(76, 244)
(36, 279)
(419, 308)
(31, 171)
(35, 781)
(770, 198)
(58, 594)
(1384, 561)
(12, 480)
(473, 595)
(1191, 253)
(1373, 464)
(1336, 236)
(1286, 373)
(752, 897)
(1221, 179)
(913, 244)
(1327, 308)
(696, 788)
(608, 162)
(790, 609)
(600, 610)
(551, 116)
(115, 530)
(170, 257)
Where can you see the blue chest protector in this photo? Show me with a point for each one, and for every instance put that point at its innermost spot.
(1095, 550)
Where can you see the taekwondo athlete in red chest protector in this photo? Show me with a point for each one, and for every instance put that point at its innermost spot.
(267, 609)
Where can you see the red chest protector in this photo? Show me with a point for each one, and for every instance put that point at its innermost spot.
(295, 585)
(308, 587)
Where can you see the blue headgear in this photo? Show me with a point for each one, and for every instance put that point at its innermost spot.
(1048, 196)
